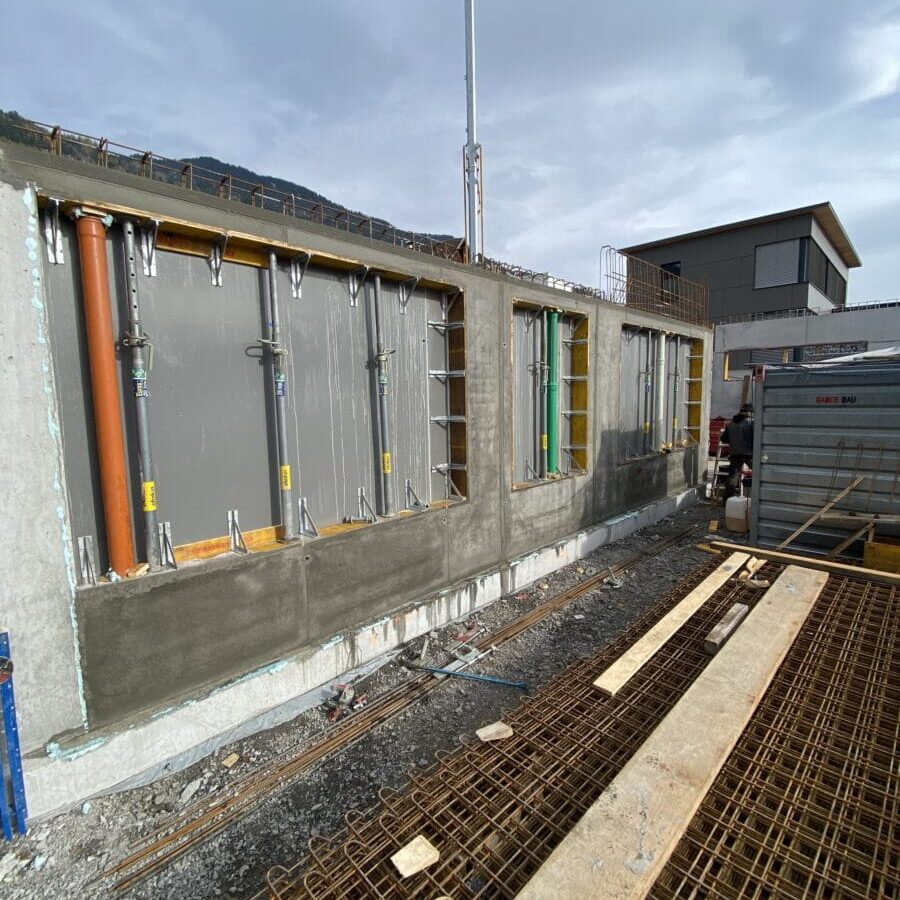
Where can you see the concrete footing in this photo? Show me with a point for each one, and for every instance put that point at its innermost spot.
(177, 737)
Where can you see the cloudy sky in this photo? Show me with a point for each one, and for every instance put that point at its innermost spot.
(602, 123)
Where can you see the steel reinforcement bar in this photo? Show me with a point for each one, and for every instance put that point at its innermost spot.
(808, 803)
(204, 820)
(497, 809)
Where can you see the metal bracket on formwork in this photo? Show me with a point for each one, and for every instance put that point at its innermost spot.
(450, 298)
(87, 571)
(412, 498)
(235, 535)
(299, 265)
(405, 292)
(166, 550)
(307, 526)
(148, 247)
(216, 255)
(357, 278)
(52, 234)
(364, 511)
(12, 779)
(445, 469)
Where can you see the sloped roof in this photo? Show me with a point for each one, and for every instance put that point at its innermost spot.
(823, 213)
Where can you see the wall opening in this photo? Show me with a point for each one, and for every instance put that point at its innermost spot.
(550, 393)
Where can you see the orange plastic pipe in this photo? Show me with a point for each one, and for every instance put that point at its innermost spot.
(105, 391)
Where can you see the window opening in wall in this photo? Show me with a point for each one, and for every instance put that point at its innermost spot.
(550, 406)
(658, 387)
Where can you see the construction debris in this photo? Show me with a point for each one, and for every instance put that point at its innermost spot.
(725, 628)
(231, 760)
(496, 731)
(416, 856)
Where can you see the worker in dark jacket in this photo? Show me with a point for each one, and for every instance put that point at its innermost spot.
(738, 434)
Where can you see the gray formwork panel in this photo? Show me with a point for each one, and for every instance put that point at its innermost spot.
(816, 430)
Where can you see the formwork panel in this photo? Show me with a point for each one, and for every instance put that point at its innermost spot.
(330, 395)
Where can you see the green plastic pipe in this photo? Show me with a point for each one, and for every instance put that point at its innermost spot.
(553, 392)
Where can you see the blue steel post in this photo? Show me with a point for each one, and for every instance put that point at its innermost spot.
(12, 754)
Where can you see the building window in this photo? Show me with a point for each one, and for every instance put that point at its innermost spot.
(550, 399)
(798, 261)
(777, 264)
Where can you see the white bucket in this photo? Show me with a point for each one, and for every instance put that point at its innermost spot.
(737, 514)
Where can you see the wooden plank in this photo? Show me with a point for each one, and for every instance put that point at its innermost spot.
(820, 512)
(816, 562)
(630, 662)
(623, 841)
(727, 624)
(417, 855)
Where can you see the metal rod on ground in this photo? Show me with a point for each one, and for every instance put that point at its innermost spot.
(542, 460)
(661, 384)
(553, 392)
(471, 676)
(384, 433)
(91, 231)
(137, 340)
(279, 377)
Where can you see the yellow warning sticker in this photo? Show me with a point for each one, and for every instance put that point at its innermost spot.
(646, 428)
(285, 478)
(543, 442)
(386, 463)
(149, 494)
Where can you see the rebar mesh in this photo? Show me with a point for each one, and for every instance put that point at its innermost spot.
(497, 810)
(807, 804)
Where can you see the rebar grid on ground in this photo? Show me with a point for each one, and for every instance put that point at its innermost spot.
(496, 810)
(807, 804)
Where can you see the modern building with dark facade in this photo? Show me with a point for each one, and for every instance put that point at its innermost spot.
(797, 259)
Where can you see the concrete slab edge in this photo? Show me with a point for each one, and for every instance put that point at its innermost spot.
(175, 738)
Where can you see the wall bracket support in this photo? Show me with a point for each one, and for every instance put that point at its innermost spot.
(166, 549)
(148, 247)
(406, 289)
(52, 234)
(235, 535)
(87, 568)
(356, 279)
(299, 265)
(412, 498)
(308, 527)
(216, 257)
(364, 510)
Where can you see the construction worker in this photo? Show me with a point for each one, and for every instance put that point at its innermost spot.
(738, 435)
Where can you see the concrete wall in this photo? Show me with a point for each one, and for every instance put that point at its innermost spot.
(729, 261)
(37, 575)
(148, 643)
(878, 326)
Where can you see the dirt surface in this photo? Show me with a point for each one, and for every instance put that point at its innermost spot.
(67, 856)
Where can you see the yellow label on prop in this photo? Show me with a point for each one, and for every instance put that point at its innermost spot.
(386, 463)
(543, 442)
(149, 493)
(674, 423)
(285, 478)
(646, 428)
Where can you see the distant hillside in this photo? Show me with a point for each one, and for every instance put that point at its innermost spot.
(207, 174)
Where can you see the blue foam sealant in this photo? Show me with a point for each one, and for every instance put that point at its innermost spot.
(54, 751)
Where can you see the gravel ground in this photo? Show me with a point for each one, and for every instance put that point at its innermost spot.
(67, 856)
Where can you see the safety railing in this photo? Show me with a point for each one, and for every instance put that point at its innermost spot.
(628, 280)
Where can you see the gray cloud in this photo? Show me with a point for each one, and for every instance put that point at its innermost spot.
(601, 123)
